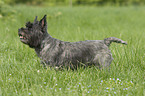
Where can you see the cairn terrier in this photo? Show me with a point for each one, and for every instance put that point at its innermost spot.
(57, 53)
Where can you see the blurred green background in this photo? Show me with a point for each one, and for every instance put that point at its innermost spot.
(6, 5)
(76, 2)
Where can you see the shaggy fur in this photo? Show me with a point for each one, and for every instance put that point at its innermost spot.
(57, 53)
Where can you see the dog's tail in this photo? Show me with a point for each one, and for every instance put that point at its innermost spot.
(109, 40)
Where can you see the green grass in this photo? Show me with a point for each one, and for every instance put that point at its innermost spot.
(21, 74)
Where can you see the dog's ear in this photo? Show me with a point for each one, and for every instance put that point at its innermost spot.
(35, 21)
(43, 22)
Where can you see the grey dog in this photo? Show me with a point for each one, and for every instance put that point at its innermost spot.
(57, 53)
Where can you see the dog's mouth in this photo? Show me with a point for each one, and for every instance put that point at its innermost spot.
(22, 37)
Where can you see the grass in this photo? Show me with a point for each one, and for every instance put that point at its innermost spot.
(21, 73)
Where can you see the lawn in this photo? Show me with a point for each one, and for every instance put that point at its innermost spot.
(21, 73)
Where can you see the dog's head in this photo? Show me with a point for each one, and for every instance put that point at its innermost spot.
(34, 32)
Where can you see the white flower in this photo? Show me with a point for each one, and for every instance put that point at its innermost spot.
(107, 88)
(89, 86)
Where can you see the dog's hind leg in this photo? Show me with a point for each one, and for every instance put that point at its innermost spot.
(103, 60)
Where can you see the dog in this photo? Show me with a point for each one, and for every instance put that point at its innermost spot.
(57, 53)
